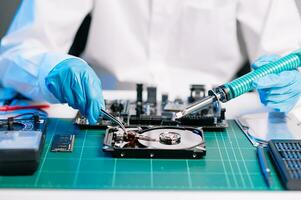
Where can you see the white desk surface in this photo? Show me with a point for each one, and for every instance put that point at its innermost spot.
(247, 103)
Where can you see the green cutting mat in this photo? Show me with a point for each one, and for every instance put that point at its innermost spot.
(230, 164)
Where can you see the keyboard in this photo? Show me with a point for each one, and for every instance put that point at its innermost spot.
(286, 155)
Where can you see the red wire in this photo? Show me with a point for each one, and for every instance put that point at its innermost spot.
(11, 108)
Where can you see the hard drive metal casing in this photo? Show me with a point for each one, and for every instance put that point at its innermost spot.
(140, 151)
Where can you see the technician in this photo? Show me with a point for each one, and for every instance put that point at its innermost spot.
(167, 43)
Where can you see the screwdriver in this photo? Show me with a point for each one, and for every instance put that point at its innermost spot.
(244, 83)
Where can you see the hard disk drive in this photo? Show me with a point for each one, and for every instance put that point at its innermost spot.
(155, 142)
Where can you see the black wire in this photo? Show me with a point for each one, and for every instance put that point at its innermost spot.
(20, 115)
(24, 114)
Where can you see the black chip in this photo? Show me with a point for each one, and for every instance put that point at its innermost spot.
(62, 143)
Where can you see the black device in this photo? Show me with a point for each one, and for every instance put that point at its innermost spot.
(286, 155)
(21, 143)
(150, 113)
(152, 131)
(155, 142)
(62, 143)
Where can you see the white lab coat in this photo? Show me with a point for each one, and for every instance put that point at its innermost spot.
(167, 43)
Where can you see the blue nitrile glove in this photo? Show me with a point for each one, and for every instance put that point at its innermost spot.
(74, 82)
(7, 93)
(278, 91)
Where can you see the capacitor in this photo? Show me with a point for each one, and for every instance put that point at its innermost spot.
(152, 95)
(139, 100)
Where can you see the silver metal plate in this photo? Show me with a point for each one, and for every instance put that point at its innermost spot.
(262, 127)
(188, 139)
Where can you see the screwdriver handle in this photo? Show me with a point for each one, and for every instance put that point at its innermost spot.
(244, 83)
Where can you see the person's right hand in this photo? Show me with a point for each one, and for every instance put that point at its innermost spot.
(74, 82)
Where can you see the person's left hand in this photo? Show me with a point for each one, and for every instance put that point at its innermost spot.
(279, 92)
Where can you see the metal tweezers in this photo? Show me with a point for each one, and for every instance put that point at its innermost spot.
(114, 119)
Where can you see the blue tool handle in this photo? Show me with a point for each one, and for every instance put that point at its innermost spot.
(265, 170)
